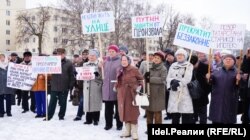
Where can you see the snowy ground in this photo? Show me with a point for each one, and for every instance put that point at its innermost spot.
(27, 127)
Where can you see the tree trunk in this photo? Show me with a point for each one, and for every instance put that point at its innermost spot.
(40, 44)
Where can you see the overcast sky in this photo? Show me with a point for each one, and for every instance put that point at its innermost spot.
(219, 11)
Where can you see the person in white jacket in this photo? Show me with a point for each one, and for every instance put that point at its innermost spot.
(180, 102)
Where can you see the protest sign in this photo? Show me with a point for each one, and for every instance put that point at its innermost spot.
(46, 64)
(147, 26)
(193, 38)
(85, 73)
(228, 36)
(20, 76)
(99, 22)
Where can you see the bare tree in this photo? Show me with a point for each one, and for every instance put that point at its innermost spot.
(28, 27)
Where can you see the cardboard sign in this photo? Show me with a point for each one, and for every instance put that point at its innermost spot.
(99, 22)
(228, 36)
(20, 76)
(46, 64)
(147, 26)
(193, 38)
(85, 73)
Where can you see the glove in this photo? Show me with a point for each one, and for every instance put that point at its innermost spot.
(147, 77)
(174, 84)
(96, 74)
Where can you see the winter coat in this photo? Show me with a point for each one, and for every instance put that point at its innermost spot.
(65, 80)
(128, 80)
(111, 66)
(200, 74)
(3, 81)
(224, 97)
(180, 101)
(157, 82)
(40, 83)
(92, 91)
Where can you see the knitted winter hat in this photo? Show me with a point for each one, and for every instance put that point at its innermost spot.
(160, 54)
(124, 48)
(231, 56)
(94, 52)
(182, 51)
(113, 47)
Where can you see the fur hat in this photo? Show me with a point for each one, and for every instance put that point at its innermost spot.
(160, 54)
(124, 48)
(28, 53)
(231, 56)
(182, 51)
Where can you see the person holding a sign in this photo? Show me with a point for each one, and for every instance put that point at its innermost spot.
(180, 102)
(60, 86)
(5, 92)
(93, 90)
(25, 93)
(224, 96)
(112, 63)
(128, 80)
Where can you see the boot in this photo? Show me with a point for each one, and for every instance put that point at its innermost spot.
(134, 128)
(127, 132)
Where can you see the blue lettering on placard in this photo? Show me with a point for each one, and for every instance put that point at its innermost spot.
(193, 39)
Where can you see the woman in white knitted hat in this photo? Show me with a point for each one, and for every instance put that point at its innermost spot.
(180, 102)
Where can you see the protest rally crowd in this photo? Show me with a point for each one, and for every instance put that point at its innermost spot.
(177, 84)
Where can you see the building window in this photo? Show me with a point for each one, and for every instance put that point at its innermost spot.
(33, 50)
(8, 22)
(55, 40)
(34, 40)
(64, 30)
(7, 42)
(7, 13)
(7, 32)
(26, 40)
(64, 41)
(8, 2)
(55, 29)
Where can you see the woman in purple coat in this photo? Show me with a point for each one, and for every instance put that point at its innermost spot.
(224, 96)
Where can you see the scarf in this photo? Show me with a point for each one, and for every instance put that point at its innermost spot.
(3, 65)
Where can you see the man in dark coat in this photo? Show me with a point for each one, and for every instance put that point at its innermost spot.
(244, 88)
(60, 85)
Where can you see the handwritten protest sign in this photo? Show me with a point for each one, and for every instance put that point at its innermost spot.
(193, 38)
(228, 36)
(99, 22)
(85, 73)
(20, 76)
(147, 26)
(46, 64)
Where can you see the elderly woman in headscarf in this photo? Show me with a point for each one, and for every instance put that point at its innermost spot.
(224, 96)
(180, 102)
(129, 78)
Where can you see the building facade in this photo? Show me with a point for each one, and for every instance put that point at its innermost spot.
(8, 11)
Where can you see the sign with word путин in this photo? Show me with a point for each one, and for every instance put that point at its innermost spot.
(147, 26)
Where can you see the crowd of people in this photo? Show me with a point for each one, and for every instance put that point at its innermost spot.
(166, 76)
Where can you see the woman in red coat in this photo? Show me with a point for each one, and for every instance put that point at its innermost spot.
(128, 80)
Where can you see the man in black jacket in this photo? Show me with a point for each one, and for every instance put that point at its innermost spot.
(245, 88)
(60, 86)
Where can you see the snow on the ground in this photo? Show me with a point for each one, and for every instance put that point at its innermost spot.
(27, 127)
